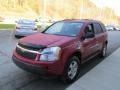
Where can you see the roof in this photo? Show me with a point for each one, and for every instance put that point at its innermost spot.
(80, 20)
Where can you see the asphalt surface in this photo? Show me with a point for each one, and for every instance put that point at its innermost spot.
(13, 78)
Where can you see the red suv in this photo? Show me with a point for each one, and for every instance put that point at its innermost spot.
(62, 48)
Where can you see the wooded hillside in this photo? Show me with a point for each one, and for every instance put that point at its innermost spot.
(60, 9)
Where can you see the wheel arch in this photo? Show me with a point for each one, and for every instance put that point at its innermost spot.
(106, 42)
(78, 54)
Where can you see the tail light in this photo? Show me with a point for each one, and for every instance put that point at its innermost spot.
(35, 29)
(17, 28)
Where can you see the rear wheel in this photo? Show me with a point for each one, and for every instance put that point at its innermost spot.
(71, 70)
(104, 51)
(16, 36)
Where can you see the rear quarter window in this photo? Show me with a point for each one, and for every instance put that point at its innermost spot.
(103, 27)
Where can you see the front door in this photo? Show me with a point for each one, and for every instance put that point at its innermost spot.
(89, 44)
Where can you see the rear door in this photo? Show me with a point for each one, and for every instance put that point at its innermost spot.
(99, 35)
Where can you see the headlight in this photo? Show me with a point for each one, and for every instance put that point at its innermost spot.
(50, 54)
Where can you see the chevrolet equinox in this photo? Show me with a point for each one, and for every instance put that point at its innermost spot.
(62, 48)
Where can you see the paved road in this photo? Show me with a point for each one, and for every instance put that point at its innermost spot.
(13, 78)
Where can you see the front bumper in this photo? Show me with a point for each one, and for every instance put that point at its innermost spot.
(29, 67)
(36, 66)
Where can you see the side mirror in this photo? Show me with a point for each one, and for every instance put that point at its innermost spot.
(89, 35)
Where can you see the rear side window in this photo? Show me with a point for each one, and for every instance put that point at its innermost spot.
(103, 27)
(97, 28)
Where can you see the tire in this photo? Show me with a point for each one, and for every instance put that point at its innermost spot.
(104, 51)
(18, 37)
(71, 70)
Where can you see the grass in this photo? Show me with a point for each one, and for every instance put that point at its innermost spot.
(4, 26)
(10, 26)
(7, 26)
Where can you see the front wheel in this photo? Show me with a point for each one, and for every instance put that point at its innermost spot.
(71, 70)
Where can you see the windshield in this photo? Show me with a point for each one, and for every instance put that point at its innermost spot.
(65, 28)
(26, 22)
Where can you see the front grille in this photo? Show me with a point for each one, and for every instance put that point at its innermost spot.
(25, 54)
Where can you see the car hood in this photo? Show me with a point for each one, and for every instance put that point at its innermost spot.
(46, 40)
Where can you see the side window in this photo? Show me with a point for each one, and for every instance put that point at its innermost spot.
(103, 27)
(89, 29)
(97, 28)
